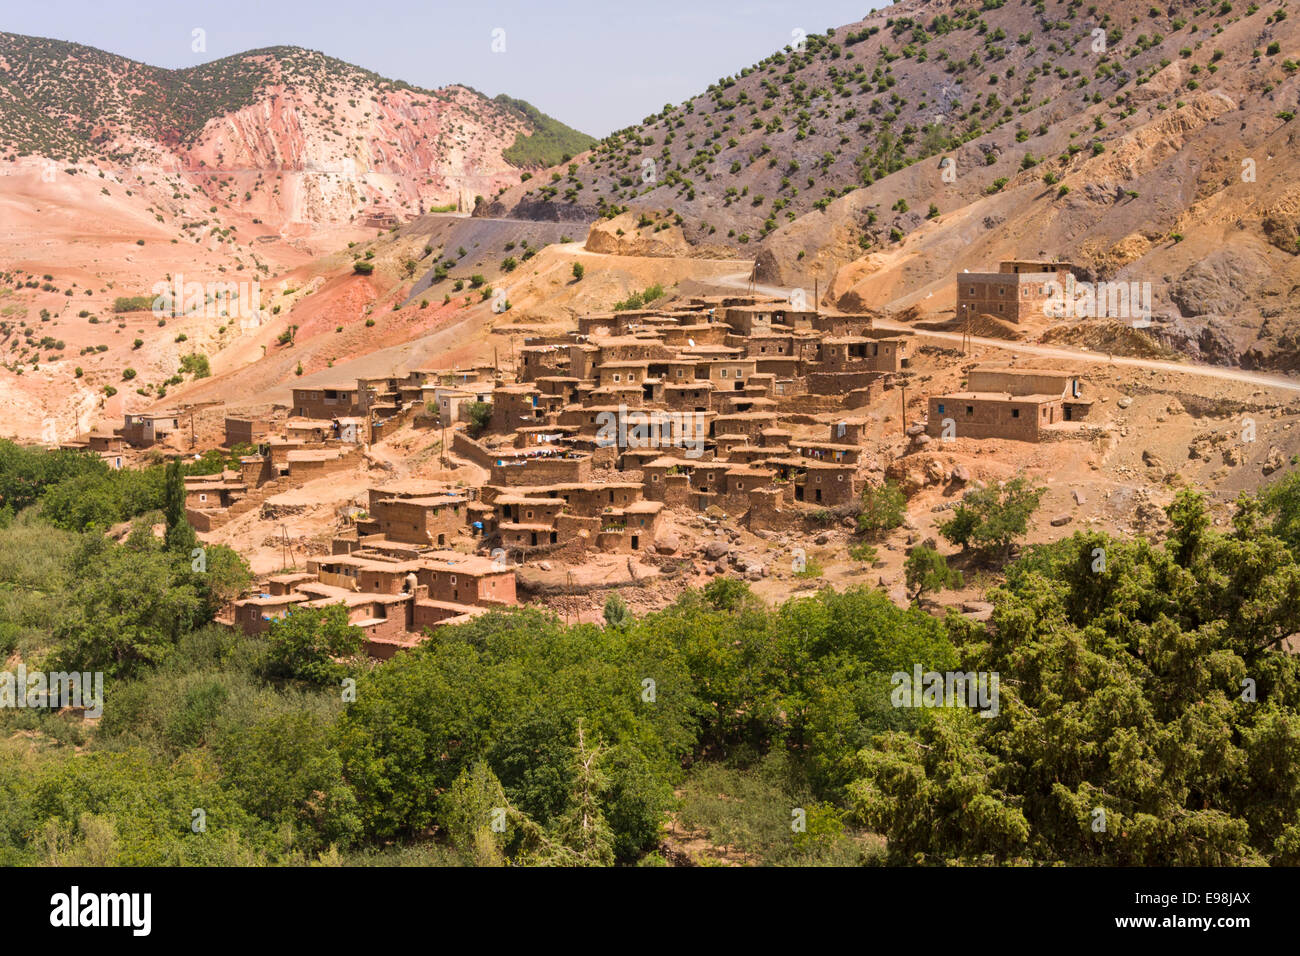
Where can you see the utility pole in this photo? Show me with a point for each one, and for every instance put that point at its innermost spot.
(903, 386)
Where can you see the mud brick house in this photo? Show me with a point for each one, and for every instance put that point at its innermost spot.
(751, 320)
(467, 579)
(699, 333)
(1016, 292)
(849, 431)
(328, 402)
(214, 492)
(389, 594)
(862, 353)
(453, 401)
(1002, 402)
(308, 429)
(827, 451)
(142, 429)
(105, 445)
(514, 406)
(537, 361)
(540, 466)
(246, 431)
(427, 520)
(814, 482)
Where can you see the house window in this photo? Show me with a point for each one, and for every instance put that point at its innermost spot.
(203, 497)
(724, 373)
(970, 409)
(1015, 413)
(617, 378)
(941, 409)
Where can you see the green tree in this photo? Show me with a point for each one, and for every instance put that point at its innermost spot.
(988, 520)
(883, 508)
(127, 610)
(1141, 710)
(180, 537)
(308, 643)
(480, 415)
(578, 272)
(617, 613)
(927, 570)
(476, 817)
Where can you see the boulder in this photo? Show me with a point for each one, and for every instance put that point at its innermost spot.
(668, 543)
(1273, 462)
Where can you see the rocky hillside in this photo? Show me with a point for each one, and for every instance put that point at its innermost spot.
(287, 132)
(1148, 143)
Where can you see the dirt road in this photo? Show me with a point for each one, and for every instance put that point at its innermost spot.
(740, 280)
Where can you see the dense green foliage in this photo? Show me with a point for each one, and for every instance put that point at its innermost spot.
(1146, 717)
(988, 520)
(550, 143)
(1148, 714)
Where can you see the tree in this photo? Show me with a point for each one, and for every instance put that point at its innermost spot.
(480, 415)
(307, 644)
(1127, 733)
(180, 537)
(990, 519)
(476, 816)
(129, 607)
(578, 272)
(927, 570)
(883, 508)
(617, 613)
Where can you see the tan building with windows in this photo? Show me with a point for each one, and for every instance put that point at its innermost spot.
(1003, 402)
(1017, 292)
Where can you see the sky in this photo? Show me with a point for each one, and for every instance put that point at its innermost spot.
(598, 66)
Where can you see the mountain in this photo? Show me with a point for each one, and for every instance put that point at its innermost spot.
(339, 141)
(117, 177)
(1147, 143)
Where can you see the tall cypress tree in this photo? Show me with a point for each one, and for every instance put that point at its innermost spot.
(180, 536)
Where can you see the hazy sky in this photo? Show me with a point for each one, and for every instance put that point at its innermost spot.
(597, 66)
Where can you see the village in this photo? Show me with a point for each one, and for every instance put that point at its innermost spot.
(603, 443)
